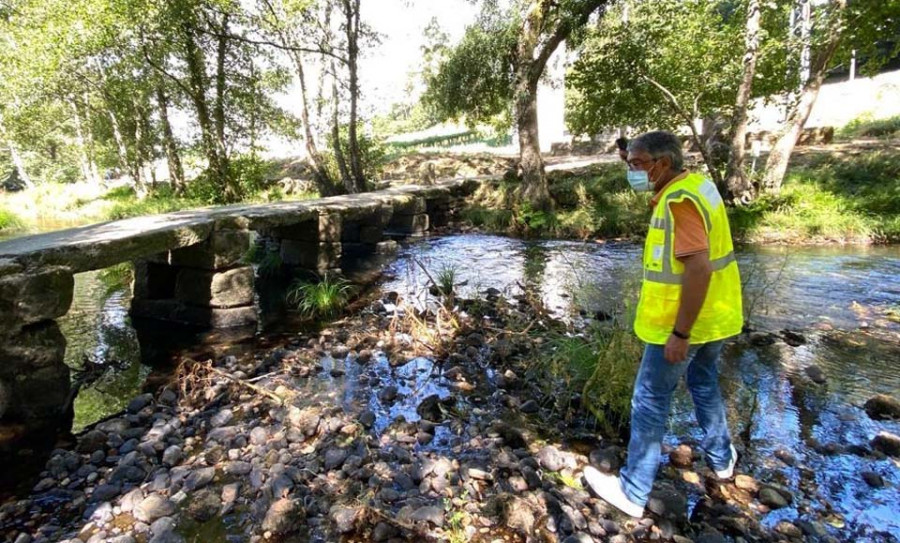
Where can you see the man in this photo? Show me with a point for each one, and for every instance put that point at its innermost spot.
(690, 302)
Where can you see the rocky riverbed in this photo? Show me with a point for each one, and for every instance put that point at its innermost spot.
(398, 424)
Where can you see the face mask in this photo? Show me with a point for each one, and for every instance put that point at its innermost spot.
(639, 180)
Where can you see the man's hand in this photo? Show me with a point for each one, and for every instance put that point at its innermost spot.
(676, 349)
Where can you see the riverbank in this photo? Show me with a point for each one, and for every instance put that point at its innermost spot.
(840, 193)
(411, 423)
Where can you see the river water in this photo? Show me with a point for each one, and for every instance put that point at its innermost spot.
(844, 301)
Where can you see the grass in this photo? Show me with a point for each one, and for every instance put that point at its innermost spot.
(852, 199)
(446, 279)
(116, 277)
(867, 127)
(9, 221)
(607, 392)
(322, 299)
(592, 202)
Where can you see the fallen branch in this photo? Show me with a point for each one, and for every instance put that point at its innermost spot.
(251, 386)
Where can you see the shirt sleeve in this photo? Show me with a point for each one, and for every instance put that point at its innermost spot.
(690, 231)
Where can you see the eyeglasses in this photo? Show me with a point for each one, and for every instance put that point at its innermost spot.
(636, 163)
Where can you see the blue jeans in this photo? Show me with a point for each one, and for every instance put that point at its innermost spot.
(650, 404)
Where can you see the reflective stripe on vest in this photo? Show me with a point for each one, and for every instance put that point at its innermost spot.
(722, 314)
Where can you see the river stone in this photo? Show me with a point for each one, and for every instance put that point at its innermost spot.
(788, 529)
(172, 455)
(383, 532)
(682, 456)
(344, 518)
(553, 459)
(259, 436)
(283, 517)
(815, 374)
(153, 507)
(221, 418)
(237, 468)
(667, 502)
(230, 494)
(91, 441)
(104, 493)
(578, 538)
(887, 443)
(167, 537)
(139, 402)
(772, 498)
(204, 506)
(5, 397)
(883, 407)
(388, 394)
(873, 479)
(530, 407)
(305, 420)
(199, 478)
(430, 513)
(367, 419)
(130, 474)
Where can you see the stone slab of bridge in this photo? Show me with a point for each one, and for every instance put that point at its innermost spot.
(189, 268)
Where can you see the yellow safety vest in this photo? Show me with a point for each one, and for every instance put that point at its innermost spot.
(721, 315)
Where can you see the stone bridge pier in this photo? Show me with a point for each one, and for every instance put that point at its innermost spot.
(207, 284)
(34, 380)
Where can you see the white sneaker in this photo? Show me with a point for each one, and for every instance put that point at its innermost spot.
(729, 470)
(609, 488)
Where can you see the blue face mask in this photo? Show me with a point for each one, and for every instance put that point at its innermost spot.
(639, 180)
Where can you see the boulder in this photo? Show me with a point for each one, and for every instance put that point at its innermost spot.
(883, 407)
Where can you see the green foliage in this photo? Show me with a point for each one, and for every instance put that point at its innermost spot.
(9, 221)
(563, 479)
(268, 263)
(321, 299)
(475, 80)
(116, 277)
(373, 154)
(446, 279)
(867, 127)
(126, 204)
(692, 49)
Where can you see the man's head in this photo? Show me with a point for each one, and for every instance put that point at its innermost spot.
(657, 153)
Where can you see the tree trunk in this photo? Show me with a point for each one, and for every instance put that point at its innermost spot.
(17, 161)
(737, 184)
(352, 12)
(531, 166)
(219, 112)
(83, 158)
(346, 178)
(131, 166)
(196, 67)
(176, 171)
(777, 163)
(323, 180)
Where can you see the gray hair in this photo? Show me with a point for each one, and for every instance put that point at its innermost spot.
(660, 144)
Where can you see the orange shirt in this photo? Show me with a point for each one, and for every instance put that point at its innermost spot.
(690, 231)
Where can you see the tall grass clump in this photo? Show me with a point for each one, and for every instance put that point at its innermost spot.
(9, 221)
(607, 392)
(323, 299)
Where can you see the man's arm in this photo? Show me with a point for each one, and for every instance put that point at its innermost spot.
(694, 284)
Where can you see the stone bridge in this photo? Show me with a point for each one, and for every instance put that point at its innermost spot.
(189, 268)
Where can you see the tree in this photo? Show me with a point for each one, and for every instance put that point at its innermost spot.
(658, 64)
(837, 28)
(497, 67)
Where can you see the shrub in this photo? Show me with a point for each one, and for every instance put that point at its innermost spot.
(322, 299)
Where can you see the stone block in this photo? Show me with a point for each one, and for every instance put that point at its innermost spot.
(201, 317)
(350, 232)
(35, 379)
(27, 298)
(388, 247)
(154, 281)
(410, 224)
(330, 226)
(301, 231)
(35, 346)
(223, 249)
(371, 234)
(357, 250)
(311, 255)
(207, 288)
(409, 205)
